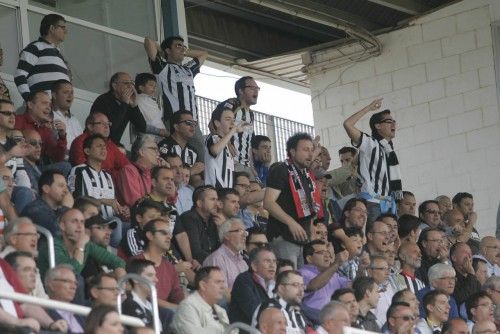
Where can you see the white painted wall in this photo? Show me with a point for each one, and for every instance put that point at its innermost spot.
(438, 77)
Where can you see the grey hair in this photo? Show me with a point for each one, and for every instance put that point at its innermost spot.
(53, 273)
(329, 311)
(439, 270)
(139, 145)
(13, 227)
(226, 227)
(492, 283)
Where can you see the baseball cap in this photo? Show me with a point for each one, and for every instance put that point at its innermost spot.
(99, 220)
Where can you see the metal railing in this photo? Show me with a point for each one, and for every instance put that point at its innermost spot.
(154, 300)
(58, 305)
(276, 128)
(50, 244)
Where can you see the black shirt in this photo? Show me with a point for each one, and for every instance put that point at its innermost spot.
(278, 179)
(119, 114)
(203, 235)
(465, 287)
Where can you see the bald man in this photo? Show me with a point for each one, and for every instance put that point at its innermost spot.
(333, 317)
(74, 247)
(455, 326)
(272, 321)
(489, 250)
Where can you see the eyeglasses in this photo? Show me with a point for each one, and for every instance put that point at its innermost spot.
(388, 121)
(322, 252)
(18, 139)
(35, 142)
(439, 241)
(448, 278)
(112, 289)
(8, 113)
(163, 232)
(486, 305)
(103, 123)
(153, 148)
(66, 280)
(37, 235)
(259, 244)
(239, 231)
(180, 46)
(295, 285)
(189, 122)
(432, 212)
(360, 210)
(405, 317)
(380, 268)
(257, 88)
(384, 233)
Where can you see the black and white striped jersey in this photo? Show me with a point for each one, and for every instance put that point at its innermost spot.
(40, 65)
(83, 180)
(177, 85)
(218, 169)
(243, 141)
(372, 166)
(187, 154)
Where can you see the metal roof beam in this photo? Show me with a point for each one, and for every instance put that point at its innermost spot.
(412, 7)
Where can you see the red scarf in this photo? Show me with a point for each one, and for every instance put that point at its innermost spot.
(307, 205)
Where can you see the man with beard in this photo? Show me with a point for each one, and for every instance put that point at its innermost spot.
(289, 293)
(434, 249)
(54, 199)
(410, 258)
(441, 277)
(292, 199)
(198, 223)
(378, 163)
(228, 256)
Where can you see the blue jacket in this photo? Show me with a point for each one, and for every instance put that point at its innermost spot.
(247, 294)
(453, 304)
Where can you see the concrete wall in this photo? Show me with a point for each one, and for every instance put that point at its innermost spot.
(438, 77)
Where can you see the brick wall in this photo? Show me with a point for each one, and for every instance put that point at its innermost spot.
(437, 75)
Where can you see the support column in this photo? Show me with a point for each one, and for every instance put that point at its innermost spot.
(174, 18)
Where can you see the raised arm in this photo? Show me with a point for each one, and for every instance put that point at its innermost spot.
(350, 124)
(201, 55)
(152, 48)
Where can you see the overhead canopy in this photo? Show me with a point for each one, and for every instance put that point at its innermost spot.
(274, 37)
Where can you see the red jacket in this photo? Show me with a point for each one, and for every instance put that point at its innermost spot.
(115, 160)
(52, 146)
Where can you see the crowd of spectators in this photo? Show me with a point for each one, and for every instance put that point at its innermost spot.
(224, 235)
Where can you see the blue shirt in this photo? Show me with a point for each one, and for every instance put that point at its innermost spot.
(262, 171)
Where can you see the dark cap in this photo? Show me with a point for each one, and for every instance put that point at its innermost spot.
(99, 220)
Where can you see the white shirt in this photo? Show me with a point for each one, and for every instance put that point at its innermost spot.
(73, 127)
(150, 110)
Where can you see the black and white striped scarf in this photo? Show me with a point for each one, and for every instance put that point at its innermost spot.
(393, 171)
